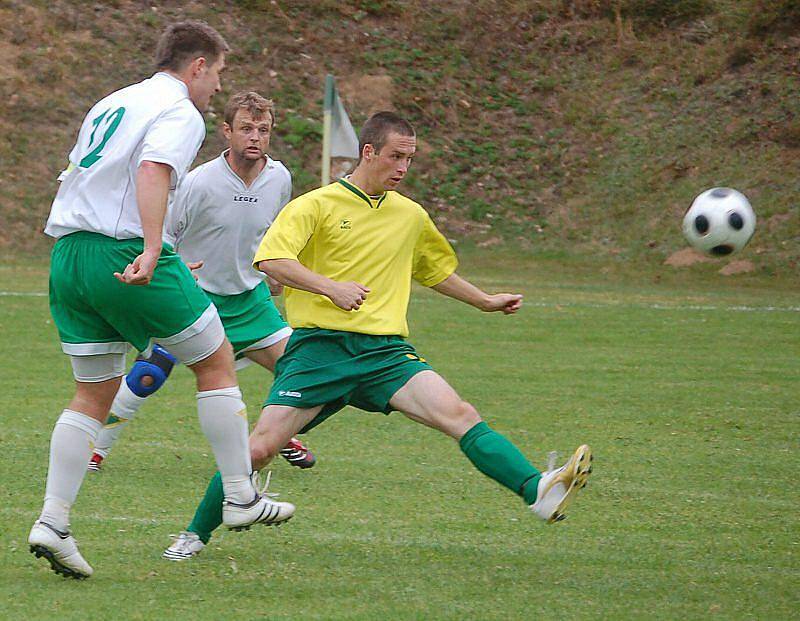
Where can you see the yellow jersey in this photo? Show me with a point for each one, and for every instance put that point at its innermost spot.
(380, 242)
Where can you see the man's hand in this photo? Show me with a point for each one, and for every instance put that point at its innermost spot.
(291, 273)
(509, 303)
(347, 295)
(193, 266)
(140, 272)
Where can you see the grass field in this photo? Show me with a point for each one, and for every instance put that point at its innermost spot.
(686, 385)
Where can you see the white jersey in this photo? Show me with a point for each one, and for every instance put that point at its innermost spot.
(220, 221)
(154, 121)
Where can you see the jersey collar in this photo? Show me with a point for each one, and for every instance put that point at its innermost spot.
(179, 83)
(374, 203)
(268, 166)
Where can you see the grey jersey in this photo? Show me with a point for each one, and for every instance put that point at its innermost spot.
(218, 220)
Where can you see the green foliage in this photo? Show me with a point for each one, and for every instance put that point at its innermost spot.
(741, 55)
(381, 8)
(663, 12)
(298, 130)
(774, 16)
(586, 130)
(648, 13)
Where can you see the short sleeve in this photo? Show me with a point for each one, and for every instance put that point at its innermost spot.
(174, 138)
(289, 234)
(434, 257)
(286, 194)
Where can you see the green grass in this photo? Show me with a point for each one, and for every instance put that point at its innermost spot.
(685, 386)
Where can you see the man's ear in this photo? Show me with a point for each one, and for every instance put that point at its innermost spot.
(369, 152)
(198, 64)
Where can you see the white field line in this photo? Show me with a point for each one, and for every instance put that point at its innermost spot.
(669, 307)
(98, 517)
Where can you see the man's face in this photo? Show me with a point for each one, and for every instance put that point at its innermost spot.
(204, 81)
(248, 136)
(388, 166)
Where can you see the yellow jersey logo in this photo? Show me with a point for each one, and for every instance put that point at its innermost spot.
(346, 225)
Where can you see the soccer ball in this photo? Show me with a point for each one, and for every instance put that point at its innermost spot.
(719, 222)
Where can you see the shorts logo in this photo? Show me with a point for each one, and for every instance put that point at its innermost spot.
(413, 357)
(346, 225)
(289, 393)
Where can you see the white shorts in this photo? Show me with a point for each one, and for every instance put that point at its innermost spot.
(190, 346)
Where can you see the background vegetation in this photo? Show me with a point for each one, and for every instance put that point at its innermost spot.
(558, 126)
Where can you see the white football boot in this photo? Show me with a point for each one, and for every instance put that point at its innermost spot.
(261, 510)
(60, 549)
(558, 487)
(185, 546)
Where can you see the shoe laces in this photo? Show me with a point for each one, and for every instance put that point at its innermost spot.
(183, 540)
(256, 478)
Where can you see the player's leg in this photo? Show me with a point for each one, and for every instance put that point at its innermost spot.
(259, 334)
(428, 399)
(194, 334)
(313, 370)
(145, 377)
(97, 380)
(267, 356)
(276, 424)
(97, 354)
(223, 419)
(294, 451)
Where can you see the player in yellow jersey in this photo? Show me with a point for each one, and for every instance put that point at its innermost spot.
(347, 253)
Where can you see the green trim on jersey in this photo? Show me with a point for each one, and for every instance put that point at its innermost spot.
(91, 307)
(248, 317)
(373, 203)
(335, 369)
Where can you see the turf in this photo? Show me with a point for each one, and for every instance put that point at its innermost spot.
(685, 384)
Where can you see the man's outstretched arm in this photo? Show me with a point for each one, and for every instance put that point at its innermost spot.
(456, 287)
(346, 295)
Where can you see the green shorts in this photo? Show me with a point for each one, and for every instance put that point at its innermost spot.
(250, 319)
(337, 368)
(96, 314)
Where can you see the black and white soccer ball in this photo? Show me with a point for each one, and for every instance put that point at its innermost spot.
(719, 222)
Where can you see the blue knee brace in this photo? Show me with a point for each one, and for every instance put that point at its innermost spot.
(157, 367)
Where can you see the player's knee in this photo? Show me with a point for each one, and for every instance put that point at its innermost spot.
(467, 414)
(262, 452)
(149, 374)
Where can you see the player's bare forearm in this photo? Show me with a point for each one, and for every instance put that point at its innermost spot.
(294, 274)
(460, 289)
(152, 192)
(289, 272)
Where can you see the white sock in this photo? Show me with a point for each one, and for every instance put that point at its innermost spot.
(124, 408)
(223, 419)
(71, 447)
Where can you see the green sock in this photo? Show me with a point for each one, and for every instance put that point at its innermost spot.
(209, 512)
(496, 457)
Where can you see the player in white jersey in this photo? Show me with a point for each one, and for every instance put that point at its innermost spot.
(221, 212)
(111, 278)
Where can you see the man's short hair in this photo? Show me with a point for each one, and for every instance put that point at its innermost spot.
(182, 42)
(251, 101)
(378, 127)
